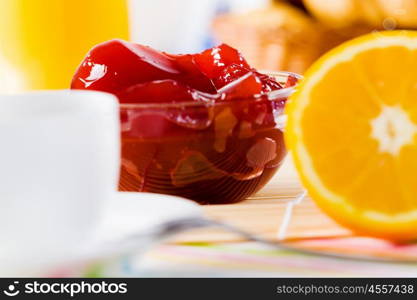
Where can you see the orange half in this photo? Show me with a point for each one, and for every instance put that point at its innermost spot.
(352, 130)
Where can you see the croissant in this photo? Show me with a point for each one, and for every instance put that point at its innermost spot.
(379, 14)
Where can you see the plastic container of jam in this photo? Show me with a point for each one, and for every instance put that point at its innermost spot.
(210, 152)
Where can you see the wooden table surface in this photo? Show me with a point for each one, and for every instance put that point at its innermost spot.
(263, 214)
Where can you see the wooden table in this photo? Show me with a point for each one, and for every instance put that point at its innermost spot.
(263, 214)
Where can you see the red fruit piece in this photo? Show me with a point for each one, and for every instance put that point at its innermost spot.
(230, 74)
(224, 64)
(213, 61)
(269, 83)
(117, 64)
(161, 91)
(291, 81)
(244, 87)
(191, 74)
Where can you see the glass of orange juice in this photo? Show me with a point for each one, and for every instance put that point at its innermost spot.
(43, 41)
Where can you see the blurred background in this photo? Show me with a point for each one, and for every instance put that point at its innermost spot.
(42, 41)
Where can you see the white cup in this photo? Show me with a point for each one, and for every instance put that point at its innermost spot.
(59, 164)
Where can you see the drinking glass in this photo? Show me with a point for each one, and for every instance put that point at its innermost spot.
(43, 41)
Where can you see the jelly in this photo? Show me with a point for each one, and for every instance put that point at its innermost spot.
(203, 126)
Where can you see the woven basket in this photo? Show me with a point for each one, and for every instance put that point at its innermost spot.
(280, 37)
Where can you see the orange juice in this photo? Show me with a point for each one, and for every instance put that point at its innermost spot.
(43, 41)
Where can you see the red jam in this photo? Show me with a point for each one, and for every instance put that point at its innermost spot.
(205, 128)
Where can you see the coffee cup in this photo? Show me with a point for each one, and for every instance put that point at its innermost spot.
(59, 164)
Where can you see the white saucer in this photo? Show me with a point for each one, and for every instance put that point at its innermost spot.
(128, 214)
(132, 213)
